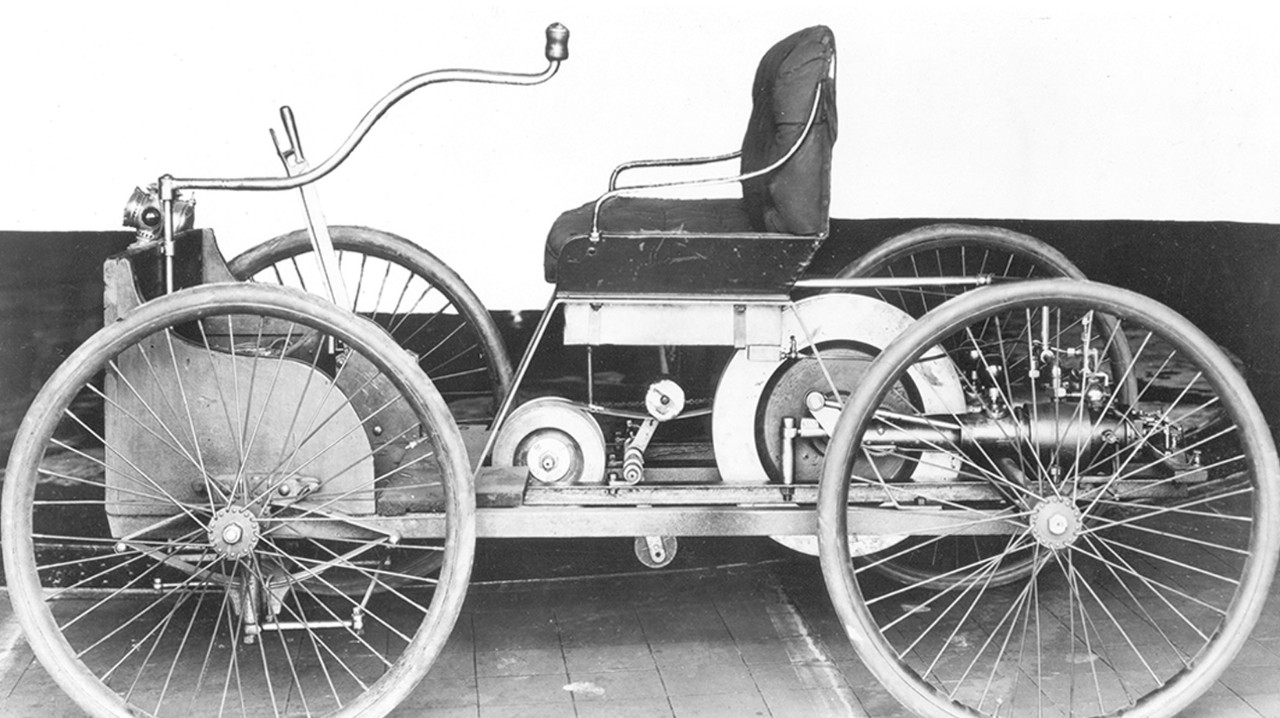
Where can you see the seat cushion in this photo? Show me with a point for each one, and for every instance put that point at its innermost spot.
(642, 215)
(795, 198)
(791, 200)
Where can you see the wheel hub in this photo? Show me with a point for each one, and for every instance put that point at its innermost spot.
(550, 457)
(788, 395)
(233, 532)
(1056, 523)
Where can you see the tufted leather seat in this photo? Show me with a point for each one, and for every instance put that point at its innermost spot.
(791, 200)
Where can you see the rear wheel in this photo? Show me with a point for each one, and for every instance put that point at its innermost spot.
(958, 250)
(192, 512)
(422, 303)
(1146, 532)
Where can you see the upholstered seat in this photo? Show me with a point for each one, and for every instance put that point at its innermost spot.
(633, 215)
(786, 202)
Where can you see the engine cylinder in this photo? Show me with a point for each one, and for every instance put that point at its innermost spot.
(1061, 427)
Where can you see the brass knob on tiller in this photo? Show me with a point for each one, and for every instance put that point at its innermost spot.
(557, 42)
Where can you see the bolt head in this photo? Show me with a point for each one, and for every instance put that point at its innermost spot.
(232, 534)
(815, 400)
(1058, 525)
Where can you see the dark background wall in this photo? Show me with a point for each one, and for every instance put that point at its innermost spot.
(1224, 276)
(50, 302)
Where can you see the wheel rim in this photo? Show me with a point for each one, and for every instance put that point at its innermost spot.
(960, 251)
(138, 592)
(416, 298)
(1129, 600)
(963, 251)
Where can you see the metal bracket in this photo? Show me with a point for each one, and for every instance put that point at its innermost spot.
(825, 411)
(656, 551)
(633, 455)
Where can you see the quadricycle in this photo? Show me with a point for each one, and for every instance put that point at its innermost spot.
(258, 489)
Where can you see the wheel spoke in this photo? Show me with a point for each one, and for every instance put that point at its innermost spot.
(240, 478)
(107, 599)
(105, 573)
(136, 502)
(1123, 441)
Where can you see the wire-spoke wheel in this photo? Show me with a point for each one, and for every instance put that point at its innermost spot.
(958, 250)
(193, 512)
(422, 303)
(1146, 530)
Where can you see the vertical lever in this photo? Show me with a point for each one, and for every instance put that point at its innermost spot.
(326, 258)
(290, 131)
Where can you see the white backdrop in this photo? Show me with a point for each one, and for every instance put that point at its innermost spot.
(1028, 110)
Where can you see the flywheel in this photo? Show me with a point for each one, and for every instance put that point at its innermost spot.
(835, 337)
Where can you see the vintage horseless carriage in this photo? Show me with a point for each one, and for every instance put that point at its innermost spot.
(1041, 496)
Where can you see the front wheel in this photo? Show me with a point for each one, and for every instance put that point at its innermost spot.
(1144, 533)
(191, 512)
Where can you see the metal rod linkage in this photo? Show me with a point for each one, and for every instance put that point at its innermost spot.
(976, 280)
(362, 128)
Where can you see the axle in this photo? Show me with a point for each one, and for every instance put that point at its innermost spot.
(1047, 427)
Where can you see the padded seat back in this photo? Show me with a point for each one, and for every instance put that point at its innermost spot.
(795, 198)
(759, 244)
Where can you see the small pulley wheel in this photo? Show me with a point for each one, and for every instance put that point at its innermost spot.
(664, 400)
(656, 551)
(555, 439)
